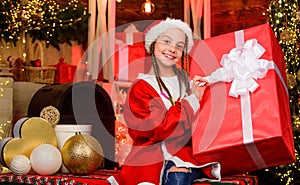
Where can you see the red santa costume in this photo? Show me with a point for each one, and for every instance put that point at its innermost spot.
(160, 131)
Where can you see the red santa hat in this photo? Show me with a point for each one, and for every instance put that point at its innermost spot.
(163, 26)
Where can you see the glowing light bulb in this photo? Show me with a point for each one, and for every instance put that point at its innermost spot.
(148, 7)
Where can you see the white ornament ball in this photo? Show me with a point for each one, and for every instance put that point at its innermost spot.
(20, 165)
(45, 159)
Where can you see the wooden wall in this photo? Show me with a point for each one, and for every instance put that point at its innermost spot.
(226, 16)
(130, 11)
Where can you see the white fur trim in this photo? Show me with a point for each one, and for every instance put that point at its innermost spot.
(112, 180)
(163, 26)
(194, 102)
(216, 171)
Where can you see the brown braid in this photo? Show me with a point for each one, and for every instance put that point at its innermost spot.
(160, 82)
(186, 57)
(184, 72)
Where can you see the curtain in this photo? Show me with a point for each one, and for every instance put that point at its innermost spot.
(200, 10)
(101, 38)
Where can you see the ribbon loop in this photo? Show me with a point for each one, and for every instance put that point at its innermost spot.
(242, 67)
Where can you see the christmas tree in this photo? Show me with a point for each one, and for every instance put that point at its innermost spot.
(284, 17)
(44, 20)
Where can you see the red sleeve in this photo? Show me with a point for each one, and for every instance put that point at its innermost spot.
(147, 118)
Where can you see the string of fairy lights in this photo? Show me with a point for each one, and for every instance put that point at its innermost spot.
(42, 19)
(5, 125)
(284, 17)
(33, 14)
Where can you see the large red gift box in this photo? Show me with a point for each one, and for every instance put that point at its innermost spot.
(244, 121)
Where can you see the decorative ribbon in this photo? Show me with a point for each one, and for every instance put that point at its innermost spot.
(123, 62)
(243, 66)
(129, 38)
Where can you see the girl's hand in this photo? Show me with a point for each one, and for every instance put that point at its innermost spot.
(199, 86)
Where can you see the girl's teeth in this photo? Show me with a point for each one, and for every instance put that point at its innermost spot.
(169, 56)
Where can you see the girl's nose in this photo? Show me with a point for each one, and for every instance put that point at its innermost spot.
(172, 48)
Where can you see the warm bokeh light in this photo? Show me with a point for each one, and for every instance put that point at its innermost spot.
(43, 17)
(148, 7)
(283, 17)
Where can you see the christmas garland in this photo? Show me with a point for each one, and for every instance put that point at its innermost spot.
(43, 20)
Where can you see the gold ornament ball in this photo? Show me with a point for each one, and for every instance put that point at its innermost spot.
(51, 114)
(82, 154)
(291, 81)
(287, 36)
(298, 16)
(298, 75)
(296, 124)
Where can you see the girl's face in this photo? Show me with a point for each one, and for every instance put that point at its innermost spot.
(169, 47)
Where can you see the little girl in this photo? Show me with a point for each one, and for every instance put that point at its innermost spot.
(160, 108)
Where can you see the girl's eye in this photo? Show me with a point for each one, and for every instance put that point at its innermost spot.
(166, 41)
(179, 46)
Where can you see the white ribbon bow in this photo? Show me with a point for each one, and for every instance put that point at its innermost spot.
(242, 66)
